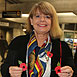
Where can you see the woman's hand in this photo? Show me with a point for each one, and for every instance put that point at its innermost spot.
(15, 71)
(66, 71)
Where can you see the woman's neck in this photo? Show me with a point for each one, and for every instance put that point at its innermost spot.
(41, 38)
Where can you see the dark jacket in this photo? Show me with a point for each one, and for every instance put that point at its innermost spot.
(75, 61)
(17, 51)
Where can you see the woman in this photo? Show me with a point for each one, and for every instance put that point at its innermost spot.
(40, 48)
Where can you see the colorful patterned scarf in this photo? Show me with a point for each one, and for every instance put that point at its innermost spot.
(37, 65)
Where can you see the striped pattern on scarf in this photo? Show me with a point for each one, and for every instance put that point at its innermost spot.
(37, 67)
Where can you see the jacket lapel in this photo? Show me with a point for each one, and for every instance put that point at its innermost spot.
(56, 53)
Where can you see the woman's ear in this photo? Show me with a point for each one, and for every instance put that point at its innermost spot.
(31, 20)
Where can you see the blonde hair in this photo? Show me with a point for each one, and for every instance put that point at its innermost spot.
(47, 9)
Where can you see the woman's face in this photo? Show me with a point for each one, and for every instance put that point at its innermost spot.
(41, 22)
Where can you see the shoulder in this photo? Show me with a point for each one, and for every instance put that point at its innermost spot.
(66, 50)
(64, 44)
(19, 42)
(20, 39)
(57, 42)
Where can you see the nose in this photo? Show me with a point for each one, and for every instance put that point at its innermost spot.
(42, 18)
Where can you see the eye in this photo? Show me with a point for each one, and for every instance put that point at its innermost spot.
(47, 16)
(37, 16)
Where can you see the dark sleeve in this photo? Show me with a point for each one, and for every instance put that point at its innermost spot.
(10, 61)
(16, 51)
(75, 58)
(75, 61)
(11, 58)
(67, 57)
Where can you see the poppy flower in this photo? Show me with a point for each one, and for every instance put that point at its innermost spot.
(58, 69)
(23, 65)
(49, 54)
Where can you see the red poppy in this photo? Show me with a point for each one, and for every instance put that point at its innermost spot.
(49, 54)
(58, 69)
(23, 65)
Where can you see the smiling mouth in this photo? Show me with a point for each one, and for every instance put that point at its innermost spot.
(42, 25)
